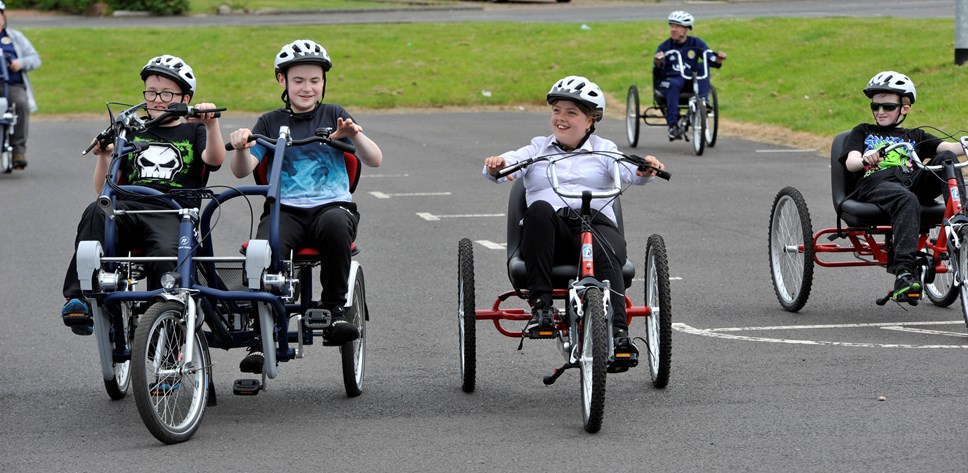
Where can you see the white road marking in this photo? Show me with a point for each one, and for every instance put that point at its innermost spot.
(926, 331)
(493, 246)
(719, 333)
(384, 175)
(786, 150)
(431, 217)
(381, 195)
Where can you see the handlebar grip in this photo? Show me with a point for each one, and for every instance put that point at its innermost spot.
(195, 112)
(342, 146)
(663, 174)
(231, 147)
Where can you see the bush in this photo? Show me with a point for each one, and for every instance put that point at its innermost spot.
(156, 7)
(69, 6)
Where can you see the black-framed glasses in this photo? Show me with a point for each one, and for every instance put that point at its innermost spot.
(166, 96)
(887, 107)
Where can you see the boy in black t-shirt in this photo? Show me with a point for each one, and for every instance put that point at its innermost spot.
(181, 156)
(316, 204)
(891, 181)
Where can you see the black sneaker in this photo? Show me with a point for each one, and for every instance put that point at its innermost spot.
(542, 323)
(907, 288)
(626, 354)
(340, 330)
(673, 133)
(77, 315)
(253, 362)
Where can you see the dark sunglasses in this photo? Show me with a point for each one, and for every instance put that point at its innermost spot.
(887, 107)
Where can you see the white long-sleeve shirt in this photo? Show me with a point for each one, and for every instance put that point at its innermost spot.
(581, 172)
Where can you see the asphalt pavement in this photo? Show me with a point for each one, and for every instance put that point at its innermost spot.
(843, 385)
(753, 388)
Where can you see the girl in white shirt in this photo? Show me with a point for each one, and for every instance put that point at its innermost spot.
(551, 225)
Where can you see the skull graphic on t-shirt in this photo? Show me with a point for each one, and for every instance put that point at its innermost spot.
(159, 162)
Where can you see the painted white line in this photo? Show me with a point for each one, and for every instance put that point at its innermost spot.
(718, 334)
(926, 331)
(786, 150)
(671, 278)
(381, 195)
(493, 246)
(431, 217)
(384, 175)
(838, 326)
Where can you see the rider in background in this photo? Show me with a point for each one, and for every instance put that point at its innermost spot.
(181, 156)
(551, 223)
(667, 78)
(21, 57)
(892, 182)
(317, 207)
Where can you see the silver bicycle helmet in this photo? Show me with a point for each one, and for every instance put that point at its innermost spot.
(579, 90)
(302, 51)
(174, 68)
(681, 18)
(891, 82)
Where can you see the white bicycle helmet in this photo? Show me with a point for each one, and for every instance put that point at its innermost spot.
(3, 7)
(174, 68)
(891, 82)
(302, 51)
(579, 90)
(681, 18)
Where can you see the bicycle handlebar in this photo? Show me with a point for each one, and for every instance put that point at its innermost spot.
(129, 119)
(638, 161)
(708, 55)
(321, 136)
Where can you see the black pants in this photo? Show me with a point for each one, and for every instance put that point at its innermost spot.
(900, 195)
(156, 234)
(330, 230)
(550, 238)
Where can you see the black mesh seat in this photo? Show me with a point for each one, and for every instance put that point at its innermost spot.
(857, 214)
(560, 274)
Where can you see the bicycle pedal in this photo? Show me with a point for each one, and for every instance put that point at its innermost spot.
(246, 387)
(541, 333)
(622, 362)
(318, 319)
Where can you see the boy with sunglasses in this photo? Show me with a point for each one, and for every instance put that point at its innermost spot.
(890, 181)
(181, 156)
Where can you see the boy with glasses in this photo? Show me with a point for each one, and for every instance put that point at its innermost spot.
(181, 156)
(891, 181)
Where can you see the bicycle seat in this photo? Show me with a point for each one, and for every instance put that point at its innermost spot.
(560, 274)
(864, 214)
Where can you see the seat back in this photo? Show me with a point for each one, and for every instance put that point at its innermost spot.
(517, 205)
(842, 182)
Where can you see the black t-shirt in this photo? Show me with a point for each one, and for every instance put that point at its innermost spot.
(866, 136)
(172, 161)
